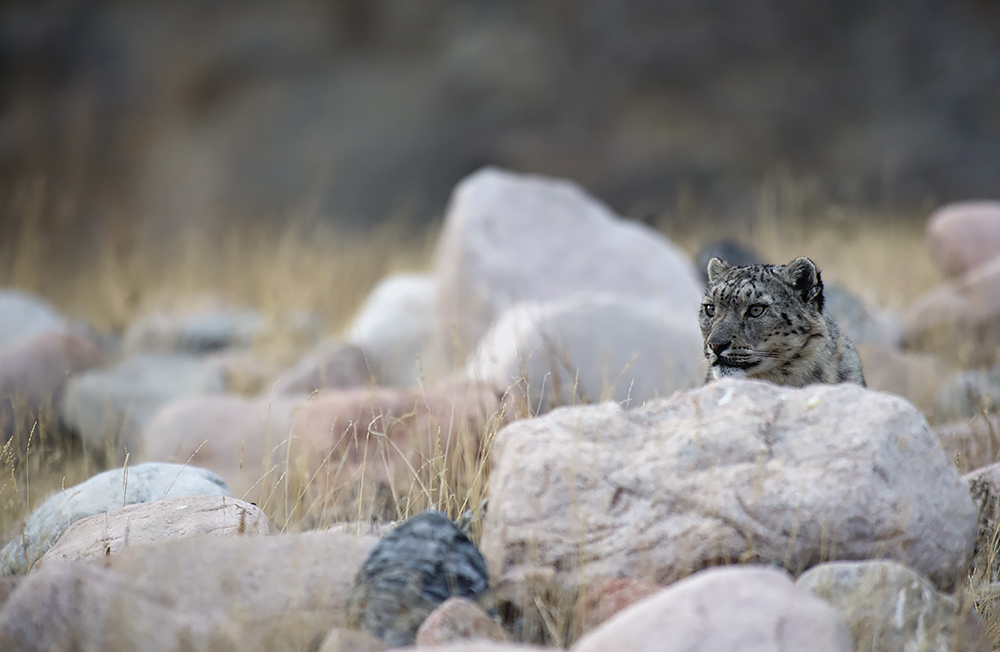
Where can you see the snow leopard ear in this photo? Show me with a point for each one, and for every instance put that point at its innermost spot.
(805, 278)
(716, 268)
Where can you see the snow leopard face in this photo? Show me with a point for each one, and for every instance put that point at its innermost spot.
(767, 322)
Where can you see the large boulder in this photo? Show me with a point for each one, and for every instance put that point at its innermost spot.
(109, 407)
(588, 348)
(509, 238)
(746, 609)
(97, 537)
(960, 320)
(890, 608)
(275, 593)
(34, 371)
(964, 235)
(102, 493)
(241, 439)
(410, 572)
(25, 315)
(395, 327)
(734, 471)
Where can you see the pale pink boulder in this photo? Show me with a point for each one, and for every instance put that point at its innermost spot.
(964, 235)
(511, 237)
(735, 470)
(728, 608)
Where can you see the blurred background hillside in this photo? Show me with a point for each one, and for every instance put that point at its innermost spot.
(161, 115)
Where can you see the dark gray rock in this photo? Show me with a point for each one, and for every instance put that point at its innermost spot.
(728, 250)
(411, 571)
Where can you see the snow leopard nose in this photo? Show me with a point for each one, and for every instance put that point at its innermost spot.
(718, 347)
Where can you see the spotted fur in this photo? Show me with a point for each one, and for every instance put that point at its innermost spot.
(768, 322)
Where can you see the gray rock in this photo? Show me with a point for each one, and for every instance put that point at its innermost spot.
(967, 393)
(104, 492)
(890, 608)
(411, 571)
(98, 537)
(734, 470)
(746, 609)
(730, 251)
(396, 326)
(23, 315)
(509, 238)
(109, 407)
(589, 348)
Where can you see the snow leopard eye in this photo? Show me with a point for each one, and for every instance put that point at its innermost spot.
(709, 310)
(756, 311)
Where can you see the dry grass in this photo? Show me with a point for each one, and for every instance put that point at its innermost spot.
(881, 257)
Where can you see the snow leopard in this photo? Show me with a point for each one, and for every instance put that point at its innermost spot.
(768, 322)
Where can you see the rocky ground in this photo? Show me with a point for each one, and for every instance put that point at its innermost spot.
(223, 476)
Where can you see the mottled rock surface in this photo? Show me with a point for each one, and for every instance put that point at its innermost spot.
(511, 237)
(733, 471)
(104, 492)
(890, 608)
(410, 572)
(746, 609)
